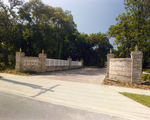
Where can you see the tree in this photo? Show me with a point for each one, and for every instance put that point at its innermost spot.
(49, 27)
(122, 33)
(132, 29)
(91, 48)
(100, 46)
(35, 26)
(6, 27)
(8, 21)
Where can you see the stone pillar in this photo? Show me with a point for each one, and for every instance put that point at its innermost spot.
(108, 59)
(136, 66)
(70, 61)
(77, 64)
(19, 56)
(81, 62)
(42, 57)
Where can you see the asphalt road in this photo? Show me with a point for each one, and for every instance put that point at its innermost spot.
(14, 107)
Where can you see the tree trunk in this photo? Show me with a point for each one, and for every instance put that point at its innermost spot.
(6, 55)
(2, 52)
(60, 51)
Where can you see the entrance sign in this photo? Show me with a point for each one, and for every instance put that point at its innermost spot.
(126, 69)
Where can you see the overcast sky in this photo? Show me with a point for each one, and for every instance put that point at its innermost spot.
(91, 16)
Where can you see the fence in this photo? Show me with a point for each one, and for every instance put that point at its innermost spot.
(55, 62)
(76, 63)
(43, 64)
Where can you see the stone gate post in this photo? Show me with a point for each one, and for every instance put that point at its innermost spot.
(136, 66)
(108, 59)
(81, 62)
(42, 57)
(70, 61)
(19, 56)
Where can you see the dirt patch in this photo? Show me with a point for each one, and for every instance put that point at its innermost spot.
(145, 84)
(13, 71)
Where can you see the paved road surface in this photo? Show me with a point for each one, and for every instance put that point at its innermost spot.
(14, 107)
(84, 96)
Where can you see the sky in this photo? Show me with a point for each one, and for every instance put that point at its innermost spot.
(91, 16)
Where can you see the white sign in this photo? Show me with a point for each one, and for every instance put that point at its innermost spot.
(31, 62)
(117, 66)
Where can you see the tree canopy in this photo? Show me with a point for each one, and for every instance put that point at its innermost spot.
(34, 26)
(132, 29)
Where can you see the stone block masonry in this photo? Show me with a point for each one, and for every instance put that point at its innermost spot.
(108, 60)
(120, 68)
(136, 66)
(126, 69)
(38, 64)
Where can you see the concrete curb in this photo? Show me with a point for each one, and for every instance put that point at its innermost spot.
(103, 79)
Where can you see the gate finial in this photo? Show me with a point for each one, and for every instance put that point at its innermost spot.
(20, 49)
(110, 51)
(136, 48)
(43, 51)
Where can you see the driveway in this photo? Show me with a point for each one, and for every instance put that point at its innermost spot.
(83, 75)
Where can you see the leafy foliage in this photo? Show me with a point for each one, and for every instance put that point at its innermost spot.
(146, 77)
(132, 29)
(35, 26)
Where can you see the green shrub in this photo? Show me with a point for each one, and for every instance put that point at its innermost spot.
(147, 70)
(144, 76)
(149, 78)
(4, 67)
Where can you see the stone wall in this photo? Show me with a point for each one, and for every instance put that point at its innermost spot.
(108, 59)
(55, 68)
(31, 64)
(38, 64)
(120, 69)
(19, 56)
(125, 69)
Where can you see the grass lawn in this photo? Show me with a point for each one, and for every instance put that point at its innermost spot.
(143, 99)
